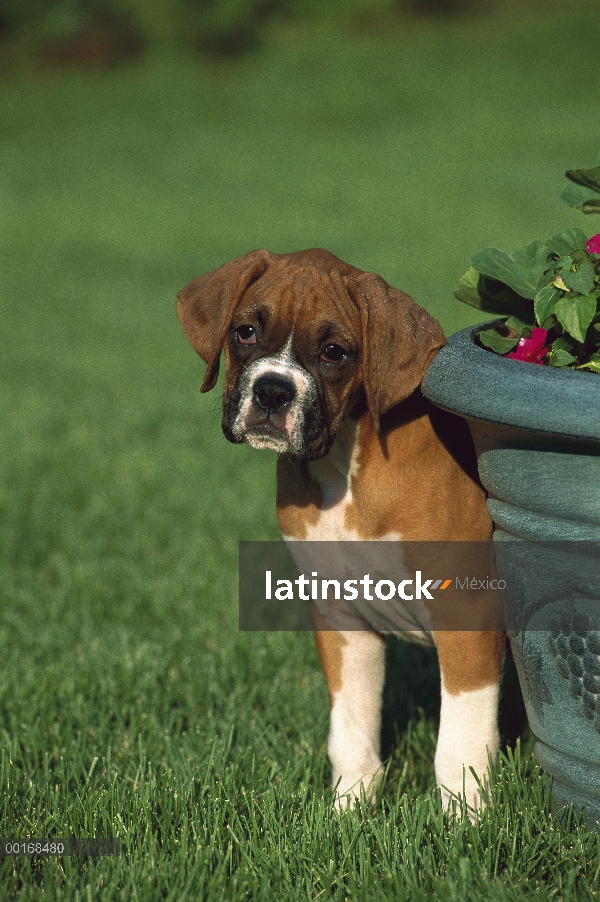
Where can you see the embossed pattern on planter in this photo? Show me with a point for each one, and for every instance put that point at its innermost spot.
(575, 645)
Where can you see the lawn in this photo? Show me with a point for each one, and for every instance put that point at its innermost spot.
(130, 705)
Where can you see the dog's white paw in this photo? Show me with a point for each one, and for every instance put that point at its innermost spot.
(351, 788)
(466, 789)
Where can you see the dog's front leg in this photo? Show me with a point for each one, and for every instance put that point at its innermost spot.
(354, 666)
(470, 667)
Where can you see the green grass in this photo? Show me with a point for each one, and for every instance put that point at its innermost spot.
(129, 703)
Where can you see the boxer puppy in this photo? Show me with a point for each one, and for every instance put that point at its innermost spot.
(323, 365)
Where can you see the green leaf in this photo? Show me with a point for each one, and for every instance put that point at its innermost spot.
(589, 178)
(575, 314)
(544, 301)
(563, 344)
(521, 271)
(546, 279)
(472, 290)
(581, 281)
(593, 364)
(467, 289)
(491, 339)
(561, 358)
(579, 256)
(520, 325)
(565, 242)
(561, 263)
(581, 198)
(592, 205)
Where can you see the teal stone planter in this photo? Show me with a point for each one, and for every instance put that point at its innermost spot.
(536, 432)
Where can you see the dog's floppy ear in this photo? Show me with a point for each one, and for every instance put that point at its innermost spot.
(207, 304)
(399, 339)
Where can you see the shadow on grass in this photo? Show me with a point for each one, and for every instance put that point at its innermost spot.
(412, 685)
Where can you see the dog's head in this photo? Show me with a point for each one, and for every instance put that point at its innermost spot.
(303, 333)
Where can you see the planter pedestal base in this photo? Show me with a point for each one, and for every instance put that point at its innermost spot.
(536, 432)
(572, 782)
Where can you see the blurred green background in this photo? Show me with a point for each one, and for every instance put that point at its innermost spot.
(142, 144)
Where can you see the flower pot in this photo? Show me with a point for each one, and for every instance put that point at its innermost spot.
(536, 431)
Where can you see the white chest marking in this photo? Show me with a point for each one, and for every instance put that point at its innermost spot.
(335, 474)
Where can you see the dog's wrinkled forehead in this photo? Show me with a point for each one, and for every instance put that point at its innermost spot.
(298, 305)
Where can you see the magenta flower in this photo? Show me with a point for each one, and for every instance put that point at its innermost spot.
(593, 245)
(531, 350)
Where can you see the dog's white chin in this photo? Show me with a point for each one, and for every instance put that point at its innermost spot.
(267, 442)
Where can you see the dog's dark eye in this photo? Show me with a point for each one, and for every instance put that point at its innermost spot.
(246, 335)
(332, 353)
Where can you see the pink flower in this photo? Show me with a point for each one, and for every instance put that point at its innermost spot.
(531, 350)
(593, 245)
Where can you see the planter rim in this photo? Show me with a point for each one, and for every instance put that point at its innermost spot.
(468, 380)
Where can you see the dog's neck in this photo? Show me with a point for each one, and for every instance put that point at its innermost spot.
(334, 471)
(343, 451)
(340, 462)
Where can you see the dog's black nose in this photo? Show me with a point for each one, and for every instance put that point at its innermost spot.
(272, 392)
